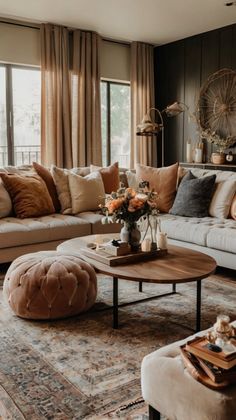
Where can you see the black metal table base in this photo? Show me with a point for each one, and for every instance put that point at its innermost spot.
(116, 304)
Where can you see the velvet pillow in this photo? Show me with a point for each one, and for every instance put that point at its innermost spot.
(193, 196)
(233, 208)
(87, 193)
(163, 181)
(29, 194)
(45, 174)
(110, 177)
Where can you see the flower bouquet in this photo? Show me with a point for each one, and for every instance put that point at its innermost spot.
(127, 206)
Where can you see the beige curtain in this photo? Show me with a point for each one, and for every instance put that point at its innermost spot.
(143, 149)
(55, 96)
(86, 105)
(70, 108)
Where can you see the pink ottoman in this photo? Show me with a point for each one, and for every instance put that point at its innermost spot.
(50, 285)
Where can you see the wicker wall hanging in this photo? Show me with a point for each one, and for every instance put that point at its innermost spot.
(216, 109)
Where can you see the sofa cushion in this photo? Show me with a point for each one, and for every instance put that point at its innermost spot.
(29, 194)
(87, 192)
(163, 181)
(110, 176)
(45, 174)
(60, 177)
(186, 229)
(206, 231)
(5, 201)
(233, 208)
(223, 236)
(16, 232)
(193, 196)
(97, 227)
(222, 198)
(132, 180)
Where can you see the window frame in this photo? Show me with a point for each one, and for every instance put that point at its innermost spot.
(9, 106)
(108, 83)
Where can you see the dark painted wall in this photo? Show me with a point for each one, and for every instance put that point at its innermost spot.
(180, 70)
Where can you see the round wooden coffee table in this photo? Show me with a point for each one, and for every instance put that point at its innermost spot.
(180, 265)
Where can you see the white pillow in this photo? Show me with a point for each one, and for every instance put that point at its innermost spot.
(222, 199)
(86, 192)
(133, 181)
(60, 178)
(5, 202)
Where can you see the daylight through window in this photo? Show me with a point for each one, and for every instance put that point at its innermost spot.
(19, 115)
(115, 107)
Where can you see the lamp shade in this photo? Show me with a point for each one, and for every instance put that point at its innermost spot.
(148, 125)
(175, 109)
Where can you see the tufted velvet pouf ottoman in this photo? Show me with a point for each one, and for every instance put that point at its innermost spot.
(50, 285)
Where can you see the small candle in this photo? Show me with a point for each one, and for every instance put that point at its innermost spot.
(98, 241)
(189, 152)
(146, 245)
(162, 240)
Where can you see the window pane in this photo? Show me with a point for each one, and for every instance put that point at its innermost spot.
(120, 124)
(3, 121)
(104, 122)
(26, 113)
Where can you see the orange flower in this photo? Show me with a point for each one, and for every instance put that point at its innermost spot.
(135, 204)
(114, 205)
(130, 191)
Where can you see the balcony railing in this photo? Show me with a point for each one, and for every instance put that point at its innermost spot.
(23, 155)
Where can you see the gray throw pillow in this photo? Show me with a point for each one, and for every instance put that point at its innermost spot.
(193, 196)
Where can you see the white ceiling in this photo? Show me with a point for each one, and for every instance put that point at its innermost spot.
(154, 21)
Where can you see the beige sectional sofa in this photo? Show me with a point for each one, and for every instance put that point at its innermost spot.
(211, 235)
(20, 236)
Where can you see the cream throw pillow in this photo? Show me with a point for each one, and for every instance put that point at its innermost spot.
(222, 199)
(132, 180)
(86, 192)
(60, 178)
(233, 208)
(5, 202)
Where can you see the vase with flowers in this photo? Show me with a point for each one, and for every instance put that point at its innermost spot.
(127, 206)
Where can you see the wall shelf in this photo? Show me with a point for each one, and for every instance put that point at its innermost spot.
(225, 167)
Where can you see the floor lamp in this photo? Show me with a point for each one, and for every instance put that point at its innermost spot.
(151, 128)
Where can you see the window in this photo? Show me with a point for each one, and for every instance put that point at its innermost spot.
(116, 132)
(19, 115)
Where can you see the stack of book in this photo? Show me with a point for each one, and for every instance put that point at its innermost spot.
(214, 367)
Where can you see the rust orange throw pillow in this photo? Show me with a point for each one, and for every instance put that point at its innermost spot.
(45, 174)
(163, 181)
(29, 194)
(233, 208)
(110, 176)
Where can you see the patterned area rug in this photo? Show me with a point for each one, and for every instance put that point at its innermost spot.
(80, 368)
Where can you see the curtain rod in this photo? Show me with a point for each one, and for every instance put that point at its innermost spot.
(18, 23)
(37, 26)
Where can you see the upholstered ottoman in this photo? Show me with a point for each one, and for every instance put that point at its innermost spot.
(50, 285)
(170, 390)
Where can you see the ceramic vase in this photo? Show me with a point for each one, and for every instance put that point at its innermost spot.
(130, 234)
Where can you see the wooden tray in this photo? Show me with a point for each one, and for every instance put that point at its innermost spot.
(112, 261)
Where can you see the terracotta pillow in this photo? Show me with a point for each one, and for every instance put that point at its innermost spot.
(163, 181)
(29, 194)
(233, 208)
(45, 174)
(110, 176)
